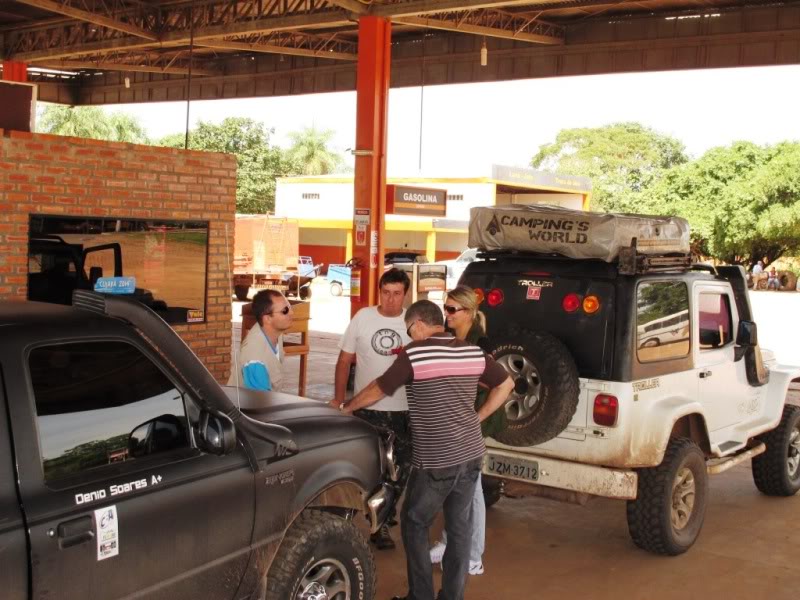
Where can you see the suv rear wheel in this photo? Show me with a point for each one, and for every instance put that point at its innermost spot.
(322, 556)
(670, 506)
(776, 472)
(546, 387)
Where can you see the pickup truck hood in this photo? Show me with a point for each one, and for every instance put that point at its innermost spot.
(311, 422)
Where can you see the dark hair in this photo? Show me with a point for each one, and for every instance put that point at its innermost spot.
(262, 303)
(425, 311)
(395, 275)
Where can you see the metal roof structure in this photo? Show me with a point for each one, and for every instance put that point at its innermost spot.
(113, 51)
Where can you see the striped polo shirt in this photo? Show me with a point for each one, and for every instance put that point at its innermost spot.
(441, 375)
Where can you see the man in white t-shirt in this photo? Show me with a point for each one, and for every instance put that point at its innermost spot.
(373, 340)
(261, 356)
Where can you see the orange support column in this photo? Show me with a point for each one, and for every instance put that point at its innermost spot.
(372, 85)
(15, 71)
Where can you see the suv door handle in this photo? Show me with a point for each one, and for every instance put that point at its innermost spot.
(74, 532)
(705, 374)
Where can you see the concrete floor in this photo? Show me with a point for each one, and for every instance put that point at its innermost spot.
(541, 549)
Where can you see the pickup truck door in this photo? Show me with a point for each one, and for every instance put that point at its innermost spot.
(13, 544)
(118, 498)
(722, 380)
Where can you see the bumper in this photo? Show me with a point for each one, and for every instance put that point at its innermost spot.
(378, 506)
(561, 474)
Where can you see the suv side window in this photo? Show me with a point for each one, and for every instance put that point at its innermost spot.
(99, 403)
(714, 320)
(662, 321)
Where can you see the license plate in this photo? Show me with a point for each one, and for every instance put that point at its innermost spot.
(512, 467)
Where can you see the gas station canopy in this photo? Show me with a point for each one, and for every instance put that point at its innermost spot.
(115, 51)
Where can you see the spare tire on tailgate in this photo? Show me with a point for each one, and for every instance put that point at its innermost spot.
(546, 388)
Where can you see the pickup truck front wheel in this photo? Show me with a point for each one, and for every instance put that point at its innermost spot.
(322, 556)
(776, 472)
(670, 506)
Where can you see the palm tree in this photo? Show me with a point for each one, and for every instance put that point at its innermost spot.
(91, 122)
(310, 151)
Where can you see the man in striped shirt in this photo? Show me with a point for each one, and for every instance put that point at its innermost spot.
(441, 375)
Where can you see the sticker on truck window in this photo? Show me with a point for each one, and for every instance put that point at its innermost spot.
(107, 527)
(534, 292)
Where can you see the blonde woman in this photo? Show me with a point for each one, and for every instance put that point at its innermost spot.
(466, 322)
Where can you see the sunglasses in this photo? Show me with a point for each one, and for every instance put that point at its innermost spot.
(284, 311)
(451, 310)
(410, 327)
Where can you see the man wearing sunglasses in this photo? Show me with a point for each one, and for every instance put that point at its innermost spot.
(373, 340)
(261, 356)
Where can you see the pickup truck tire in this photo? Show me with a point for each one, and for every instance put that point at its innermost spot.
(787, 281)
(546, 387)
(776, 472)
(241, 292)
(336, 288)
(322, 551)
(670, 506)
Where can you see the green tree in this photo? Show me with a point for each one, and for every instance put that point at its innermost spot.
(91, 122)
(311, 153)
(622, 160)
(742, 201)
(258, 162)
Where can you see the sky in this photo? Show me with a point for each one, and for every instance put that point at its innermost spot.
(463, 129)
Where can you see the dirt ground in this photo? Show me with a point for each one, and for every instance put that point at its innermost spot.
(546, 550)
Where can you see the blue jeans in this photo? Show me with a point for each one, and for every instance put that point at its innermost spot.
(478, 541)
(450, 489)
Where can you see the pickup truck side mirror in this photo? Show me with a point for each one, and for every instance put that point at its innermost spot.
(747, 335)
(217, 433)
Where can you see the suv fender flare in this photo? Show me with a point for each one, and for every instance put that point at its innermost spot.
(676, 415)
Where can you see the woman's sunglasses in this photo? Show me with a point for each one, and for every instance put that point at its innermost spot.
(284, 311)
(451, 310)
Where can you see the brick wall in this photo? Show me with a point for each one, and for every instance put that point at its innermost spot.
(71, 176)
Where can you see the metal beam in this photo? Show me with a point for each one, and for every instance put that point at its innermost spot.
(182, 37)
(530, 31)
(427, 7)
(351, 5)
(89, 17)
(274, 49)
(110, 66)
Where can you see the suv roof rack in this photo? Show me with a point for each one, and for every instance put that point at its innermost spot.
(629, 262)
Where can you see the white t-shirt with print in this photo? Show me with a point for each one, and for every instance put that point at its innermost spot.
(376, 340)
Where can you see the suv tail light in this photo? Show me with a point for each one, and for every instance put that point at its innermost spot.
(591, 304)
(495, 297)
(606, 410)
(571, 303)
(479, 295)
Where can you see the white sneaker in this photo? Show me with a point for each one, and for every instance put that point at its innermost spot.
(437, 552)
(475, 567)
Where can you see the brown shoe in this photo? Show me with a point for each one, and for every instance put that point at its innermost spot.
(382, 539)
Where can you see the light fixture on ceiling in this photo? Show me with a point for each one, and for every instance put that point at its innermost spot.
(484, 53)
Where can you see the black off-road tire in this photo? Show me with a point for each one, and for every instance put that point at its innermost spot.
(492, 490)
(315, 537)
(772, 472)
(336, 288)
(556, 381)
(650, 515)
(241, 292)
(305, 292)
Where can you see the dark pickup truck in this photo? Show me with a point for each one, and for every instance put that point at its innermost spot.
(127, 471)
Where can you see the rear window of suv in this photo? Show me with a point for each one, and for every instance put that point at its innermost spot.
(662, 321)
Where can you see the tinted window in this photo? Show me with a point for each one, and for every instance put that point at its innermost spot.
(714, 321)
(99, 403)
(662, 324)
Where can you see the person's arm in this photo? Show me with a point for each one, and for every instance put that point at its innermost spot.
(497, 396)
(342, 374)
(366, 397)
